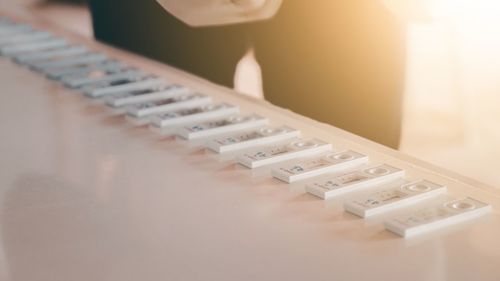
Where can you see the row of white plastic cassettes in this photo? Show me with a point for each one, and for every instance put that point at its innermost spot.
(173, 109)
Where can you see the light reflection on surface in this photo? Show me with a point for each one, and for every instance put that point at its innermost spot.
(451, 116)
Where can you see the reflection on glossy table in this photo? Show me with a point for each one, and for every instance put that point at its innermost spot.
(87, 196)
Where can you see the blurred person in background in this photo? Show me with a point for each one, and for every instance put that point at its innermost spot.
(338, 61)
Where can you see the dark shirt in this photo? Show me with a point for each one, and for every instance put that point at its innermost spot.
(337, 61)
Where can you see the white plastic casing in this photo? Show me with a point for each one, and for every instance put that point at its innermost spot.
(223, 126)
(167, 105)
(387, 199)
(144, 84)
(311, 167)
(282, 152)
(97, 69)
(262, 136)
(82, 60)
(51, 54)
(24, 38)
(13, 50)
(119, 82)
(130, 98)
(127, 74)
(335, 185)
(438, 216)
(196, 114)
(9, 30)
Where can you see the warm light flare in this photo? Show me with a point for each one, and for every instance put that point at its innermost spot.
(466, 10)
(452, 86)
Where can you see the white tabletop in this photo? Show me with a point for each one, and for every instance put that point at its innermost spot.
(88, 196)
